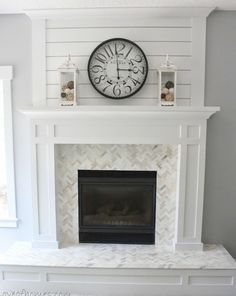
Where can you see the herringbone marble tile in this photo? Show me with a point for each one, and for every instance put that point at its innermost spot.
(118, 256)
(71, 158)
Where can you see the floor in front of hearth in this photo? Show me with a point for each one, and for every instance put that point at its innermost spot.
(118, 256)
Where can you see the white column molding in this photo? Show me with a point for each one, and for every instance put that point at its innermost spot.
(190, 187)
(201, 180)
(44, 196)
(39, 62)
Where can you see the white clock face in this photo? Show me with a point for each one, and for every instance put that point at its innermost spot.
(117, 68)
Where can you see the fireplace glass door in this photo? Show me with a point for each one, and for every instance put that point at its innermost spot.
(117, 206)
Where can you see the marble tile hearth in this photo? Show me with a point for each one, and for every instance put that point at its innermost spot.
(118, 256)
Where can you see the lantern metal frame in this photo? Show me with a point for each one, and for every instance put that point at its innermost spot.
(167, 67)
(68, 67)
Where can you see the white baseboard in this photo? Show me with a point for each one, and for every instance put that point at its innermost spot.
(118, 282)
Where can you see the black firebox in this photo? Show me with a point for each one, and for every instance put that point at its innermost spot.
(117, 206)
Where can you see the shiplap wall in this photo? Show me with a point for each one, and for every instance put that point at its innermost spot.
(156, 37)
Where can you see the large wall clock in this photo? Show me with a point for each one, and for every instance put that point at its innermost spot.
(117, 68)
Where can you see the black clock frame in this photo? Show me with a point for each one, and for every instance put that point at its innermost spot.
(100, 45)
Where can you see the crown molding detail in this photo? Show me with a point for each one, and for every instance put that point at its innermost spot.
(136, 12)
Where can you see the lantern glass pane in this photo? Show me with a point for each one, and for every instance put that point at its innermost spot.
(67, 86)
(168, 88)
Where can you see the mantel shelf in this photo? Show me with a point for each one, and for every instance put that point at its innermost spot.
(120, 111)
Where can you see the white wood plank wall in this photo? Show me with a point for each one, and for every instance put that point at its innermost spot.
(156, 37)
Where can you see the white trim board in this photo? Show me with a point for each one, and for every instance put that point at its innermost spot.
(118, 282)
(6, 75)
(136, 12)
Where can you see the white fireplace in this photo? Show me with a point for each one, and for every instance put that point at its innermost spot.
(131, 134)
(184, 127)
(134, 121)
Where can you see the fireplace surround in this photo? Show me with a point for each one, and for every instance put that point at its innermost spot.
(181, 126)
(129, 157)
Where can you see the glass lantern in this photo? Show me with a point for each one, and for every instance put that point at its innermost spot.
(68, 78)
(167, 73)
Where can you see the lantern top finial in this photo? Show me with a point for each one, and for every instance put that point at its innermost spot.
(68, 65)
(168, 65)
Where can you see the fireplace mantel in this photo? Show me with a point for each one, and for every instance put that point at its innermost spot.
(182, 126)
(168, 112)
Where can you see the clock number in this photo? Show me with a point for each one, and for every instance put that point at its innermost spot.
(109, 84)
(136, 70)
(128, 52)
(116, 90)
(97, 80)
(119, 48)
(135, 82)
(128, 89)
(101, 58)
(97, 68)
(137, 59)
(108, 50)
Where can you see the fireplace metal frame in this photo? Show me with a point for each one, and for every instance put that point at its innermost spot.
(117, 234)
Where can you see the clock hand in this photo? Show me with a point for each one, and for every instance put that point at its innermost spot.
(125, 70)
(117, 67)
(117, 64)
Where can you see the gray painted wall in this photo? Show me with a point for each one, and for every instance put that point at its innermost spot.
(220, 189)
(220, 192)
(15, 49)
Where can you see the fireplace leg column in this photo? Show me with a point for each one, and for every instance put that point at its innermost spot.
(43, 180)
(190, 187)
